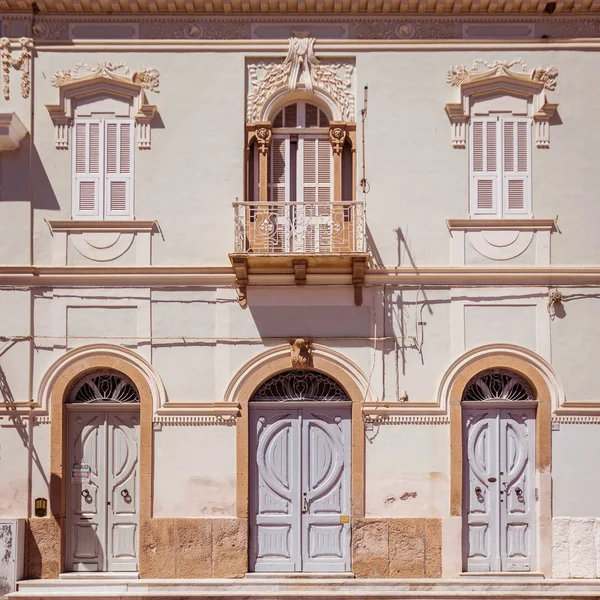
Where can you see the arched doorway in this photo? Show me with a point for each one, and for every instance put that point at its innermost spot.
(300, 473)
(102, 487)
(499, 483)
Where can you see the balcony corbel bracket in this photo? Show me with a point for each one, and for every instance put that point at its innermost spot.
(240, 267)
(359, 266)
(300, 271)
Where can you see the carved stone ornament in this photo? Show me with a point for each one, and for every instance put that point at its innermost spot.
(337, 136)
(509, 77)
(263, 137)
(111, 78)
(300, 70)
(300, 350)
(22, 63)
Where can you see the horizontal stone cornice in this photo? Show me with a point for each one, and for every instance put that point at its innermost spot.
(157, 276)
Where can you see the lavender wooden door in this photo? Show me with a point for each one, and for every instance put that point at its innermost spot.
(499, 487)
(102, 502)
(300, 487)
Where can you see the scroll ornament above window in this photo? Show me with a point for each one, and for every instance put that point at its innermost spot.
(105, 78)
(300, 71)
(510, 78)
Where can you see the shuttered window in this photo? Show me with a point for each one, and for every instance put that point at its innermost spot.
(500, 167)
(300, 185)
(103, 169)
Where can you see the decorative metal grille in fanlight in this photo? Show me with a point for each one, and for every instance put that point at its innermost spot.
(300, 386)
(104, 386)
(497, 385)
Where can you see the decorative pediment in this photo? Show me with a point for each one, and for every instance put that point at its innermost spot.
(509, 78)
(300, 71)
(105, 78)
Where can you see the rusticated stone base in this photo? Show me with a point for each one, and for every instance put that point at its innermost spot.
(193, 548)
(397, 548)
(42, 549)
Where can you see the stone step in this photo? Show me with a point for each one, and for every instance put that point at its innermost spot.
(316, 588)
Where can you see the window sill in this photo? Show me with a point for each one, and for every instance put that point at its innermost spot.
(476, 224)
(131, 226)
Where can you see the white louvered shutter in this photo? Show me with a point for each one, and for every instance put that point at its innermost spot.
(279, 178)
(516, 182)
(316, 187)
(485, 167)
(118, 196)
(87, 169)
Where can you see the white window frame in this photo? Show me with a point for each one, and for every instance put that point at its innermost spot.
(102, 212)
(501, 211)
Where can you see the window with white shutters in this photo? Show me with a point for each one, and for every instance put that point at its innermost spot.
(500, 167)
(103, 169)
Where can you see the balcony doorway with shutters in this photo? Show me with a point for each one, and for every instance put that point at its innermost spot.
(299, 458)
(307, 203)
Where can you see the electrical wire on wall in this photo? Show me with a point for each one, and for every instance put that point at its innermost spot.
(364, 184)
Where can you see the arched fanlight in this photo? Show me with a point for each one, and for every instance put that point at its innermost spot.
(497, 384)
(300, 386)
(104, 386)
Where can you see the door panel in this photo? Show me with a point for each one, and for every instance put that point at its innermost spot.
(499, 489)
(86, 498)
(326, 484)
(103, 527)
(301, 487)
(275, 541)
(122, 484)
(481, 494)
(518, 517)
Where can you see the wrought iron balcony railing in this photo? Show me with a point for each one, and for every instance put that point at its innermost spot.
(299, 227)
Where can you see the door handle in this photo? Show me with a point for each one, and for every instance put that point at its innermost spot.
(478, 491)
(85, 494)
(125, 493)
(304, 504)
(518, 491)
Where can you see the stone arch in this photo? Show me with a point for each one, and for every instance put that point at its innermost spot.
(278, 360)
(54, 391)
(538, 373)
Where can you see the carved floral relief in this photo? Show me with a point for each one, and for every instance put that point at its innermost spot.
(22, 63)
(300, 70)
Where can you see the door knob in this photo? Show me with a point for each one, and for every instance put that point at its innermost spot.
(478, 490)
(518, 491)
(86, 494)
(125, 493)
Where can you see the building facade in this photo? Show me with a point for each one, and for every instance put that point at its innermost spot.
(299, 288)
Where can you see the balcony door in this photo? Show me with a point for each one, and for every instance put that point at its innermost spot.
(301, 181)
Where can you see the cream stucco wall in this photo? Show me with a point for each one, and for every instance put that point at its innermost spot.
(401, 340)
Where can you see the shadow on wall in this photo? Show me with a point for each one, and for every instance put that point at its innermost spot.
(15, 187)
(32, 551)
(44, 197)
